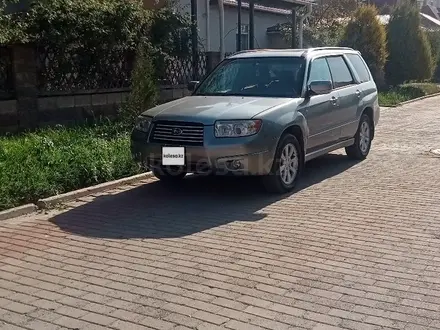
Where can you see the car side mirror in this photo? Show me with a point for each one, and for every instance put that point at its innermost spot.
(319, 87)
(192, 85)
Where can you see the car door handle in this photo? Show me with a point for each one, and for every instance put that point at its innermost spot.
(334, 100)
(358, 93)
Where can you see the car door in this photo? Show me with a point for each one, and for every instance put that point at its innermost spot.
(364, 90)
(349, 94)
(319, 109)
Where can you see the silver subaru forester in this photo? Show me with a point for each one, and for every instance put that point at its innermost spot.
(263, 113)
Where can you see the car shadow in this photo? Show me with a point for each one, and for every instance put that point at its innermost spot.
(199, 203)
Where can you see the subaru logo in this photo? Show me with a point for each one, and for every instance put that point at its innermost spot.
(177, 131)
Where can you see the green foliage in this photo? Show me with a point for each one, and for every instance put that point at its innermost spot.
(434, 40)
(410, 57)
(91, 28)
(323, 37)
(365, 33)
(326, 24)
(402, 93)
(53, 161)
(12, 25)
(144, 91)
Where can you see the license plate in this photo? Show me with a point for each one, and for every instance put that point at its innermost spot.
(173, 156)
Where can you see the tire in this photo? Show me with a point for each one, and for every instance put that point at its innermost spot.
(274, 182)
(362, 140)
(166, 176)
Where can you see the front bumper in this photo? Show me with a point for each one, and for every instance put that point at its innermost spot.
(246, 156)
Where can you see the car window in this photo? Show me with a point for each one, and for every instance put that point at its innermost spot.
(319, 71)
(256, 76)
(359, 66)
(340, 72)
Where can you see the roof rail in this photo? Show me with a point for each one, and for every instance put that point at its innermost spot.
(248, 51)
(329, 48)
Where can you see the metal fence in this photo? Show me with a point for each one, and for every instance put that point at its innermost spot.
(67, 71)
(61, 70)
(181, 70)
(6, 83)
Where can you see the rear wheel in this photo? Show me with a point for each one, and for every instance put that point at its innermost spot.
(362, 140)
(287, 166)
(168, 175)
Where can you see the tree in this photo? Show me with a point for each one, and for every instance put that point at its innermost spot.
(434, 40)
(410, 55)
(325, 25)
(365, 33)
(328, 20)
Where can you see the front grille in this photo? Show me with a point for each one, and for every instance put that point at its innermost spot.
(177, 133)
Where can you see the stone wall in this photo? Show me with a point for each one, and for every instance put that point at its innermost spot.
(50, 110)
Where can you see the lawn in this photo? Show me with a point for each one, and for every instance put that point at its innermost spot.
(397, 95)
(58, 160)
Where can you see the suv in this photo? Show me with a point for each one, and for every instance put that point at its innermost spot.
(264, 113)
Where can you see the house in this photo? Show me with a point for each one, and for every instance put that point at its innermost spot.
(266, 19)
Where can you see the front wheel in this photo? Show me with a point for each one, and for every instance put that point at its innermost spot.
(362, 140)
(287, 166)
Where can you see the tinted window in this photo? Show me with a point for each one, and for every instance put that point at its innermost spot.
(319, 71)
(340, 72)
(258, 76)
(359, 66)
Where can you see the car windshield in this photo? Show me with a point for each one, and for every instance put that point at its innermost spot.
(257, 76)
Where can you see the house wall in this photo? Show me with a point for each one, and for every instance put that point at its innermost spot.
(263, 20)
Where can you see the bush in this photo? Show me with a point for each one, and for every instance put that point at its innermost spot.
(410, 57)
(88, 37)
(402, 93)
(54, 161)
(434, 41)
(144, 91)
(365, 33)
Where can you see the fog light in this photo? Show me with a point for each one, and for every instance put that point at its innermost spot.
(236, 164)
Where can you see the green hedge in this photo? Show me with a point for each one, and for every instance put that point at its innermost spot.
(54, 161)
(406, 92)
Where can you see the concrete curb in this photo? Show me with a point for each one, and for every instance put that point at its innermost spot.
(18, 211)
(417, 99)
(50, 202)
(47, 203)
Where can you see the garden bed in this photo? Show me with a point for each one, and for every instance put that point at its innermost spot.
(57, 160)
(395, 96)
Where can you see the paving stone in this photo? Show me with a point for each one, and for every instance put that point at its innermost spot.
(355, 247)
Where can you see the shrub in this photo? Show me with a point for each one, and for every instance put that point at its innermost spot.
(434, 40)
(365, 33)
(144, 91)
(93, 34)
(410, 57)
(406, 92)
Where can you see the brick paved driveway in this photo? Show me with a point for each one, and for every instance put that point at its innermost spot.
(357, 247)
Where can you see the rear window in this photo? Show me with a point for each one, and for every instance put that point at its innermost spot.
(359, 66)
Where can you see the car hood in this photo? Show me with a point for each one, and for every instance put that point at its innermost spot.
(208, 109)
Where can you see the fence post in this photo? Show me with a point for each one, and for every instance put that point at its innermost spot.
(212, 59)
(24, 77)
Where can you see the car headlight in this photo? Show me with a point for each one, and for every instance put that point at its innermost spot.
(143, 124)
(237, 128)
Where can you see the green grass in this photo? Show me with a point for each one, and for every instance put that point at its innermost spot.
(58, 160)
(406, 92)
